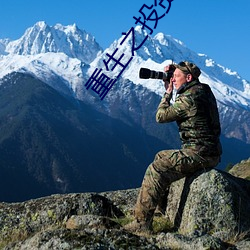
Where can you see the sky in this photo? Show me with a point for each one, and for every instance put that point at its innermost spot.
(217, 28)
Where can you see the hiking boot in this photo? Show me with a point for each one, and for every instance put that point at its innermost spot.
(140, 227)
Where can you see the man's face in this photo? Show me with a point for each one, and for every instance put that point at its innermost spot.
(179, 78)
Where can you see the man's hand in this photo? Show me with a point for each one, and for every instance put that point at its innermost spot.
(168, 85)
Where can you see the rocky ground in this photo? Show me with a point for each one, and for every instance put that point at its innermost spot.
(208, 211)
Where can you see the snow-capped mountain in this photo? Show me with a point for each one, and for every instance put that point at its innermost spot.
(3, 43)
(231, 91)
(65, 57)
(50, 53)
(161, 50)
(70, 40)
(66, 51)
(65, 139)
(58, 70)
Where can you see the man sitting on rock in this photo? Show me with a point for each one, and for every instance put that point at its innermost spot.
(195, 111)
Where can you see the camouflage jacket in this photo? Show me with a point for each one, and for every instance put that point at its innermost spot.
(195, 111)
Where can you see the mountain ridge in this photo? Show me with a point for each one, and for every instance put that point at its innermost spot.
(157, 51)
(162, 50)
(68, 74)
(124, 120)
(52, 143)
(42, 38)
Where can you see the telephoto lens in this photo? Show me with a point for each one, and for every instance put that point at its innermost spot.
(145, 73)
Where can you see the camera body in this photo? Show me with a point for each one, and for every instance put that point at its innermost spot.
(145, 73)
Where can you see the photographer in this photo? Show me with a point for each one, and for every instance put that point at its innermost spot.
(195, 111)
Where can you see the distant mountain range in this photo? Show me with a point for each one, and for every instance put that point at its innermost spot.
(57, 136)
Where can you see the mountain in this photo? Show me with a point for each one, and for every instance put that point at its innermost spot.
(56, 144)
(71, 119)
(70, 40)
(160, 50)
(231, 91)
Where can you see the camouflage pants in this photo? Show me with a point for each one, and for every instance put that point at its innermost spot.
(167, 167)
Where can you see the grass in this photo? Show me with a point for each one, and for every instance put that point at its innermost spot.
(238, 237)
(160, 223)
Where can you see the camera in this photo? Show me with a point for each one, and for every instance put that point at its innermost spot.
(145, 73)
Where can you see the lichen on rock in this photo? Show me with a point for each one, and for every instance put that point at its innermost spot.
(209, 210)
(211, 202)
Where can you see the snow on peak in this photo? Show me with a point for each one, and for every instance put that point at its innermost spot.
(69, 29)
(161, 38)
(161, 50)
(3, 44)
(47, 50)
(41, 24)
(42, 38)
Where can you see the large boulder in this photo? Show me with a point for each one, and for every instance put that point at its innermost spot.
(209, 211)
(210, 202)
(19, 221)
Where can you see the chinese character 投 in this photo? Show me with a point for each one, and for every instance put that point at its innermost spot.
(99, 82)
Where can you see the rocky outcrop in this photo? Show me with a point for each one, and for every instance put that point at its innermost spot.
(241, 169)
(210, 202)
(209, 210)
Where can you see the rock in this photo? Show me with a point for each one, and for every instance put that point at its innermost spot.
(63, 239)
(212, 202)
(20, 220)
(124, 199)
(241, 169)
(178, 241)
(243, 245)
(209, 210)
(90, 221)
